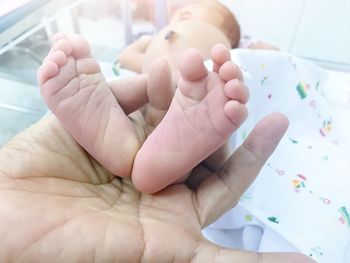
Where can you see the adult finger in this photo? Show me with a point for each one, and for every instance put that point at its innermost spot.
(217, 194)
(208, 252)
(131, 92)
(160, 91)
(155, 88)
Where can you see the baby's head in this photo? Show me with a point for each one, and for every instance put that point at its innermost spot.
(214, 13)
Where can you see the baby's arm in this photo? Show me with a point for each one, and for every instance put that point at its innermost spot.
(132, 57)
(262, 45)
(251, 43)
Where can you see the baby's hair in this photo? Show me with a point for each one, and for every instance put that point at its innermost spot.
(230, 24)
(233, 29)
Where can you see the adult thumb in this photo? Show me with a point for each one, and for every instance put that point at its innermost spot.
(209, 252)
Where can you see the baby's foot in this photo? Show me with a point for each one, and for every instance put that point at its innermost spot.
(75, 90)
(206, 109)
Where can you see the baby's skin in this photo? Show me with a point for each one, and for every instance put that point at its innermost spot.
(206, 109)
(185, 34)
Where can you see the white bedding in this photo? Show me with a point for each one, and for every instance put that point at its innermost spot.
(302, 193)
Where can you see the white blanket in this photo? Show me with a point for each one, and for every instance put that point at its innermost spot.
(303, 192)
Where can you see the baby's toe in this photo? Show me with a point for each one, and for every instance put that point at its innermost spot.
(46, 71)
(58, 36)
(58, 57)
(229, 71)
(193, 81)
(51, 65)
(62, 45)
(80, 46)
(219, 55)
(236, 112)
(71, 44)
(191, 66)
(235, 89)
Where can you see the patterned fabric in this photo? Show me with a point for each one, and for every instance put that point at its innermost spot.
(303, 192)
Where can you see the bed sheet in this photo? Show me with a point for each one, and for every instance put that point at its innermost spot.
(302, 192)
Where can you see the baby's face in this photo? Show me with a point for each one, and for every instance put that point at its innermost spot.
(207, 11)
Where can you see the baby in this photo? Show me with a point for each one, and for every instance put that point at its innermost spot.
(199, 24)
(205, 110)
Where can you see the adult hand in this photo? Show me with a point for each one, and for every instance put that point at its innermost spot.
(57, 204)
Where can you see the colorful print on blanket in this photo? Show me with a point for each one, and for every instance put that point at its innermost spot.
(303, 192)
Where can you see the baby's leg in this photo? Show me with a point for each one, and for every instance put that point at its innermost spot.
(206, 109)
(75, 90)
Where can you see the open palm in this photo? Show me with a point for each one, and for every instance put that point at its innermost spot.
(57, 204)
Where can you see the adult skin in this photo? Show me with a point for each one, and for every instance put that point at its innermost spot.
(57, 204)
